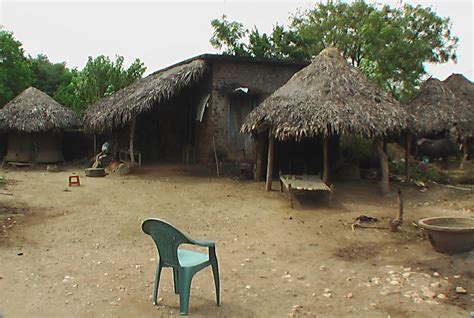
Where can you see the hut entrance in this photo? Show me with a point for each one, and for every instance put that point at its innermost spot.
(239, 107)
(302, 157)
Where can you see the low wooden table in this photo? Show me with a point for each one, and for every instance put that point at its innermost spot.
(304, 183)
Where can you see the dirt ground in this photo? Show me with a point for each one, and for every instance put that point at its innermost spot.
(79, 251)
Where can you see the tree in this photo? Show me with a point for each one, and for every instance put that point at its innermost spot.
(15, 73)
(228, 35)
(48, 77)
(99, 78)
(390, 45)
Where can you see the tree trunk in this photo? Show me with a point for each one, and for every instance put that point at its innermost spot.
(326, 160)
(383, 164)
(271, 146)
(259, 161)
(407, 158)
(132, 133)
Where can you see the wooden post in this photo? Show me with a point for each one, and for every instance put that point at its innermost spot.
(407, 158)
(290, 195)
(215, 155)
(95, 144)
(465, 151)
(326, 159)
(271, 146)
(132, 133)
(400, 206)
(378, 143)
(259, 162)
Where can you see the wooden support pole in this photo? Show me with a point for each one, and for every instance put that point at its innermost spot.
(215, 155)
(259, 162)
(407, 158)
(95, 144)
(326, 160)
(400, 206)
(271, 146)
(378, 143)
(132, 133)
(465, 151)
(290, 195)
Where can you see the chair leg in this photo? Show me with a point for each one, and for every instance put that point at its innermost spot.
(157, 282)
(215, 271)
(176, 280)
(185, 278)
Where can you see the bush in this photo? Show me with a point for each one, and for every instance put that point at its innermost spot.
(419, 171)
(357, 150)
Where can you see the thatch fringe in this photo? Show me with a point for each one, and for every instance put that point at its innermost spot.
(121, 107)
(34, 111)
(436, 108)
(327, 97)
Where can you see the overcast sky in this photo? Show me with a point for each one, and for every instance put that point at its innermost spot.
(163, 33)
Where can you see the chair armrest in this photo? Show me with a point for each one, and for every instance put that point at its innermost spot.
(204, 243)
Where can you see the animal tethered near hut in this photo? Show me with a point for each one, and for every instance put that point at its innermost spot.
(451, 145)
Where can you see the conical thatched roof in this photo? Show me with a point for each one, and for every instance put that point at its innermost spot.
(461, 86)
(328, 96)
(34, 111)
(436, 108)
(122, 106)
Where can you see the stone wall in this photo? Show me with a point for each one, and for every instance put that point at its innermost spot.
(261, 79)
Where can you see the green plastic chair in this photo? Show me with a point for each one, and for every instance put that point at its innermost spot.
(185, 263)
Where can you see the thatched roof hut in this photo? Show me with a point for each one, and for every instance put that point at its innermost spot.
(33, 111)
(461, 86)
(436, 108)
(327, 97)
(34, 123)
(123, 106)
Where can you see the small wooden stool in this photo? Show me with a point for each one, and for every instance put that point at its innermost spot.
(74, 180)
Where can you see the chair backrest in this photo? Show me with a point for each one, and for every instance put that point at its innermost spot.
(167, 239)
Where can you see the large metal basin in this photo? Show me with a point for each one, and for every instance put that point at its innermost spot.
(449, 234)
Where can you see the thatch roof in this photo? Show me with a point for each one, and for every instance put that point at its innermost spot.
(436, 108)
(34, 111)
(140, 97)
(461, 86)
(327, 97)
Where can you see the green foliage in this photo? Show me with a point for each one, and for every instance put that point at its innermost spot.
(72, 88)
(390, 45)
(228, 35)
(48, 77)
(99, 78)
(419, 171)
(15, 74)
(355, 149)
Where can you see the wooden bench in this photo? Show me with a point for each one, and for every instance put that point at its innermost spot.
(304, 183)
(124, 156)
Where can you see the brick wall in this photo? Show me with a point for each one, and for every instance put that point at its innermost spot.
(262, 79)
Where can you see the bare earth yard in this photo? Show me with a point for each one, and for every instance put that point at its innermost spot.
(81, 253)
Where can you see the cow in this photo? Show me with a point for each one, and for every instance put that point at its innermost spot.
(437, 148)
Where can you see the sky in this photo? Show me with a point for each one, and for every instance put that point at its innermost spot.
(162, 33)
